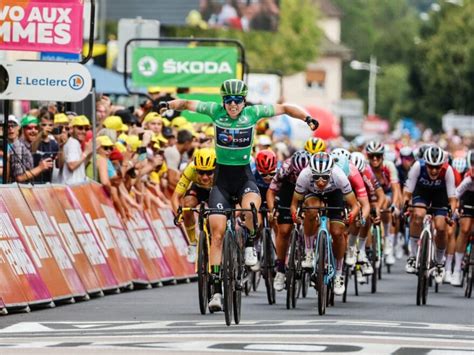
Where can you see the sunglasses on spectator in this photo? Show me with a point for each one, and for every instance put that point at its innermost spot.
(205, 172)
(268, 174)
(47, 125)
(433, 167)
(29, 128)
(324, 177)
(110, 148)
(375, 156)
(237, 99)
(12, 126)
(82, 128)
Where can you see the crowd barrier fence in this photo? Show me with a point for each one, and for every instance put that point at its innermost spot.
(66, 243)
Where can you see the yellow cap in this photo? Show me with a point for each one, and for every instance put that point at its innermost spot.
(209, 131)
(124, 128)
(80, 121)
(166, 122)
(113, 122)
(61, 118)
(121, 148)
(134, 142)
(179, 122)
(104, 141)
(154, 177)
(122, 137)
(159, 139)
(151, 117)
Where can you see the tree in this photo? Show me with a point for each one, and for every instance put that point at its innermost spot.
(288, 50)
(444, 69)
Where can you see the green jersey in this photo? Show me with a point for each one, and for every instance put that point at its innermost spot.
(234, 137)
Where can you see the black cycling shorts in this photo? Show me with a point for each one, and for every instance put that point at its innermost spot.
(331, 199)
(285, 195)
(434, 198)
(231, 183)
(200, 193)
(467, 199)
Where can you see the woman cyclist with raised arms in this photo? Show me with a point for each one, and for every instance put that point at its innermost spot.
(234, 131)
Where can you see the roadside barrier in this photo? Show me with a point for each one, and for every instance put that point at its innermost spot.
(65, 243)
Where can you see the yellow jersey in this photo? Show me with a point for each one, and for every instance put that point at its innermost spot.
(189, 176)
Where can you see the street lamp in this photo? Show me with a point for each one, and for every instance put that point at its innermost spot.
(373, 69)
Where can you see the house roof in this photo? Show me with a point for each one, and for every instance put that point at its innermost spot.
(329, 9)
(332, 49)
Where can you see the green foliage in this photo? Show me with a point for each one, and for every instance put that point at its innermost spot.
(445, 62)
(288, 50)
(393, 82)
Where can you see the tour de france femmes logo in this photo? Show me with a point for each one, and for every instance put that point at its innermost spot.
(76, 82)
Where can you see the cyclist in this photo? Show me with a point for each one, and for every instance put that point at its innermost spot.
(322, 182)
(430, 183)
(465, 194)
(386, 173)
(282, 187)
(315, 145)
(377, 199)
(407, 158)
(193, 187)
(265, 169)
(234, 126)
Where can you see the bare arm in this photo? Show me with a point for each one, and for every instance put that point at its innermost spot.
(181, 105)
(291, 110)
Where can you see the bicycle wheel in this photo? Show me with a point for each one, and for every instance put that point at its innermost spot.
(305, 281)
(321, 265)
(375, 257)
(239, 275)
(291, 272)
(203, 273)
(228, 276)
(468, 283)
(347, 273)
(423, 270)
(299, 268)
(268, 270)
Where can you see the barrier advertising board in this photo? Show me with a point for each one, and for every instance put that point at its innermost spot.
(48, 81)
(183, 67)
(37, 25)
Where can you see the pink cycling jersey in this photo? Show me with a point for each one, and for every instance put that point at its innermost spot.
(357, 182)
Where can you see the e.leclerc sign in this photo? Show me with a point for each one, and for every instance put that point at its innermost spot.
(32, 80)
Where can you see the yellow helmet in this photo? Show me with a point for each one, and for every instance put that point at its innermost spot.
(315, 145)
(205, 159)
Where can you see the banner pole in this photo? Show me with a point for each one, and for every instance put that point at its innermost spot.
(6, 113)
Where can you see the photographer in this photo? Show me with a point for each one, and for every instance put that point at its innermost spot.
(45, 147)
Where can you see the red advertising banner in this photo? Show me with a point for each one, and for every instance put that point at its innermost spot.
(176, 259)
(27, 283)
(86, 237)
(95, 216)
(55, 244)
(143, 239)
(178, 238)
(39, 25)
(36, 243)
(46, 197)
(120, 234)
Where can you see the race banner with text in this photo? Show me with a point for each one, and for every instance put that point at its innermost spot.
(41, 25)
(48, 197)
(183, 67)
(17, 270)
(53, 240)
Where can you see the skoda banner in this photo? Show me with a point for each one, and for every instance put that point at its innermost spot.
(183, 67)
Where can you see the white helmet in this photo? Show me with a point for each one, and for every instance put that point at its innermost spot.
(300, 159)
(358, 159)
(406, 152)
(321, 163)
(374, 147)
(336, 153)
(434, 156)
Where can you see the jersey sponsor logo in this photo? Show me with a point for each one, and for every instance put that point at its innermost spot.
(430, 183)
(234, 138)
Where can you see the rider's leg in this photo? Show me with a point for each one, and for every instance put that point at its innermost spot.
(247, 200)
(416, 225)
(310, 225)
(339, 244)
(441, 239)
(465, 225)
(189, 219)
(282, 241)
(450, 248)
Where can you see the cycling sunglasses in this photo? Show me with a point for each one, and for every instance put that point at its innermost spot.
(205, 172)
(232, 98)
(433, 167)
(324, 177)
(375, 156)
(268, 174)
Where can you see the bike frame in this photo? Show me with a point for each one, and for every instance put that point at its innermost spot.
(331, 262)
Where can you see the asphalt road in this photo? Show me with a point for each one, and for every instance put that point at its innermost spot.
(168, 319)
